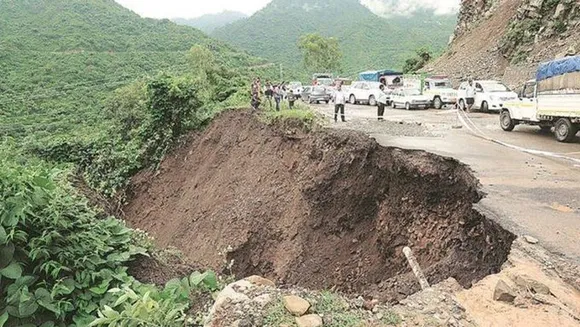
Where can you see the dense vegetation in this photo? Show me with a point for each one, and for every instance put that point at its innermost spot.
(89, 89)
(367, 41)
(208, 23)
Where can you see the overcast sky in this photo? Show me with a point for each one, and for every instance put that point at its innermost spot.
(195, 8)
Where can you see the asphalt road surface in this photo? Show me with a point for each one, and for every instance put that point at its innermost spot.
(528, 194)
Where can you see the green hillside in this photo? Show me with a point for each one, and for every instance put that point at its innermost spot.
(61, 58)
(208, 23)
(367, 40)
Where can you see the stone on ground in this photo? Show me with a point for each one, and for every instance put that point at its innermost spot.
(528, 283)
(297, 306)
(503, 292)
(309, 321)
(531, 240)
(260, 281)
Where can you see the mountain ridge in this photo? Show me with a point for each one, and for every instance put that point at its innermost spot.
(368, 41)
(209, 22)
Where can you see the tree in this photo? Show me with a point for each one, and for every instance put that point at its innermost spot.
(320, 54)
(422, 58)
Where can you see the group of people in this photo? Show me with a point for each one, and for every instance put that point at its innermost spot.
(276, 92)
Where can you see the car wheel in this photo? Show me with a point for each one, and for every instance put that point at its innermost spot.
(408, 106)
(437, 103)
(564, 130)
(317, 102)
(352, 99)
(506, 121)
(372, 101)
(462, 105)
(327, 101)
(484, 106)
(394, 105)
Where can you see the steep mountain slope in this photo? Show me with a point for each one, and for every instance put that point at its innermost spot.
(60, 58)
(367, 40)
(506, 39)
(208, 23)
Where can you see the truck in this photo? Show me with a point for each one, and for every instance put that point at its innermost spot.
(390, 78)
(437, 87)
(551, 100)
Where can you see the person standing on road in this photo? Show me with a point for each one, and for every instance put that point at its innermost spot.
(277, 96)
(382, 103)
(291, 99)
(470, 95)
(269, 92)
(339, 99)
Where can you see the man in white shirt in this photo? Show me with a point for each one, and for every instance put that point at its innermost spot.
(470, 95)
(339, 99)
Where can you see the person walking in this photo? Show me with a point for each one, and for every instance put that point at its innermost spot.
(291, 99)
(277, 96)
(470, 96)
(382, 103)
(255, 102)
(269, 92)
(339, 99)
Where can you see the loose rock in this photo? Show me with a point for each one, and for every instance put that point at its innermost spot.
(531, 240)
(260, 281)
(309, 321)
(297, 306)
(528, 283)
(503, 292)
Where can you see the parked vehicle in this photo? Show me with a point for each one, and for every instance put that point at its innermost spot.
(365, 92)
(551, 100)
(295, 87)
(440, 90)
(322, 79)
(489, 95)
(316, 94)
(390, 78)
(410, 99)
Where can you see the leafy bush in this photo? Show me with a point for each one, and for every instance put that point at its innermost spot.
(57, 259)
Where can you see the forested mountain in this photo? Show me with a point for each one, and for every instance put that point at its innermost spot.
(60, 58)
(367, 40)
(208, 23)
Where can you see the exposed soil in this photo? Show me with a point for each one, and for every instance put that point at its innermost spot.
(325, 209)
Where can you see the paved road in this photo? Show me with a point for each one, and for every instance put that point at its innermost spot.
(528, 194)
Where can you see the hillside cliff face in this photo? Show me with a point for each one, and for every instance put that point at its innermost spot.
(507, 39)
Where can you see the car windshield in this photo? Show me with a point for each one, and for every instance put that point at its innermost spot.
(325, 81)
(495, 87)
(442, 85)
(412, 92)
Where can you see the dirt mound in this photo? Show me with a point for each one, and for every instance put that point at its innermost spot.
(329, 209)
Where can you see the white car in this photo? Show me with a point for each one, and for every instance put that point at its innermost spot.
(489, 95)
(410, 99)
(296, 87)
(365, 92)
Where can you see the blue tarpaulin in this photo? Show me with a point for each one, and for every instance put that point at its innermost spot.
(375, 75)
(558, 67)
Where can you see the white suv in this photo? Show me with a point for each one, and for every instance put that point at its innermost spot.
(365, 92)
(489, 95)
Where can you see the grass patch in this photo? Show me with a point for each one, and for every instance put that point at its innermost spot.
(391, 319)
(277, 315)
(337, 310)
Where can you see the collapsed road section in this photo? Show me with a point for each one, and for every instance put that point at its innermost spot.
(329, 209)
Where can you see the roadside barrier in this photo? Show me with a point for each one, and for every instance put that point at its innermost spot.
(476, 131)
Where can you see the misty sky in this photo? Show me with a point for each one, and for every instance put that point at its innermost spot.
(195, 8)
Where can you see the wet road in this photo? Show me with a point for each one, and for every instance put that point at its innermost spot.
(528, 194)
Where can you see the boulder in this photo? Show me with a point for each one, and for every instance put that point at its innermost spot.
(528, 283)
(296, 305)
(260, 281)
(309, 321)
(560, 9)
(503, 292)
(531, 240)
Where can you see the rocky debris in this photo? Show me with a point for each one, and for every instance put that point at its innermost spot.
(434, 306)
(503, 292)
(260, 281)
(529, 284)
(312, 320)
(531, 240)
(297, 306)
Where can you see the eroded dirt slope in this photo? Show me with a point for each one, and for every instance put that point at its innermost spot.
(327, 209)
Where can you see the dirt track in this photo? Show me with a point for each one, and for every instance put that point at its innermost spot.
(327, 209)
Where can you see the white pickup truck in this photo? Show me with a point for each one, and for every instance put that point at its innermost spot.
(551, 100)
